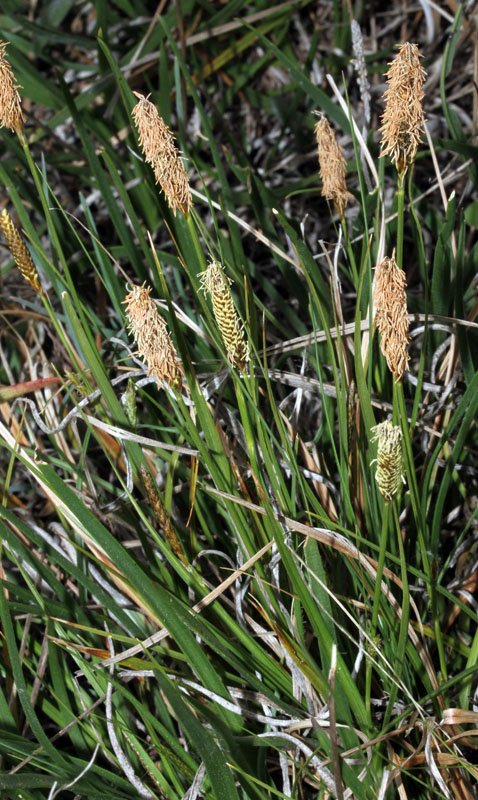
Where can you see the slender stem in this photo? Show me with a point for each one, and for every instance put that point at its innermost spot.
(400, 217)
(376, 605)
(46, 210)
(56, 248)
(400, 417)
(350, 253)
(405, 615)
(437, 627)
(400, 410)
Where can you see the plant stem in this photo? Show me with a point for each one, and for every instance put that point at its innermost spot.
(350, 253)
(400, 218)
(402, 637)
(376, 604)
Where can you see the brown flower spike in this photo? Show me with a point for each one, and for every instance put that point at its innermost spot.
(403, 120)
(157, 143)
(215, 283)
(389, 458)
(333, 166)
(150, 333)
(19, 251)
(10, 105)
(391, 315)
(161, 515)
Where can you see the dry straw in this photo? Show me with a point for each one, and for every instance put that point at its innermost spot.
(19, 251)
(402, 120)
(150, 333)
(391, 315)
(215, 283)
(157, 143)
(10, 105)
(333, 166)
(389, 458)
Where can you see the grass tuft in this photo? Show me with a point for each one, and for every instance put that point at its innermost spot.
(214, 580)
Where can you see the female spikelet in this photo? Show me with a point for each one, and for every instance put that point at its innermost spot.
(389, 458)
(215, 283)
(19, 251)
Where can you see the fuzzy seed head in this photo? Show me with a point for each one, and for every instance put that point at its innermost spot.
(333, 166)
(150, 333)
(391, 315)
(389, 458)
(19, 251)
(10, 104)
(157, 144)
(215, 283)
(403, 119)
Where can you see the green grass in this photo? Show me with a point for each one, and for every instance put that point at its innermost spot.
(311, 640)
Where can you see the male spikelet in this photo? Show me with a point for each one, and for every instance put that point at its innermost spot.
(150, 333)
(389, 458)
(403, 120)
(157, 143)
(333, 166)
(215, 283)
(391, 316)
(19, 251)
(10, 105)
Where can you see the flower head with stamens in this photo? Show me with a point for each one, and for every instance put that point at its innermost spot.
(403, 119)
(391, 315)
(333, 166)
(151, 335)
(157, 144)
(11, 115)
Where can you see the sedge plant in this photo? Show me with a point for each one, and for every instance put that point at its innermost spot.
(237, 411)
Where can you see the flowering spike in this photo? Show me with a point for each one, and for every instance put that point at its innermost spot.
(402, 120)
(19, 251)
(391, 315)
(215, 283)
(361, 68)
(161, 515)
(157, 143)
(150, 333)
(389, 458)
(333, 166)
(10, 104)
